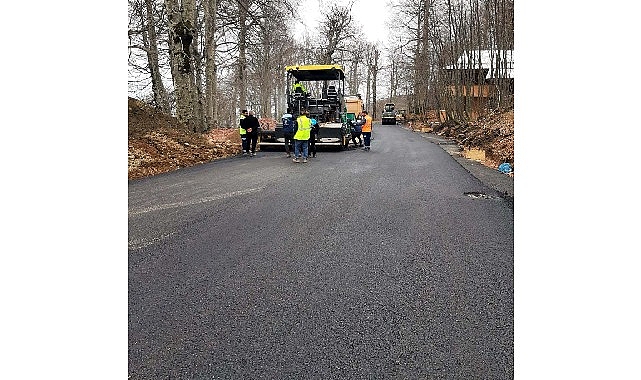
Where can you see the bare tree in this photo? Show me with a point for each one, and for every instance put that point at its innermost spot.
(374, 71)
(182, 33)
(210, 12)
(368, 78)
(267, 57)
(433, 37)
(143, 16)
(160, 94)
(221, 54)
(336, 31)
(353, 79)
(226, 54)
(243, 6)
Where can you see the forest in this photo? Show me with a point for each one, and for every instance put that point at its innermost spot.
(204, 60)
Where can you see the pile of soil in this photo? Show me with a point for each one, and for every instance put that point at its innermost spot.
(159, 143)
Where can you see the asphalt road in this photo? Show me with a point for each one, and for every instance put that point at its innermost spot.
(391, 264)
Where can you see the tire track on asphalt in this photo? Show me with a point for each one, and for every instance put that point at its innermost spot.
(216, 197)
(136, 244)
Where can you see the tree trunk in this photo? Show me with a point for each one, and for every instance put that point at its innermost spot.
(353, 82)
(392, 82)
(369, 82)
(374, 75)
(181, 35)
(266, 79)
(160, 94)
(242, 53)
(211, 114)
(199, 94)
(422, 59)
(417, 65)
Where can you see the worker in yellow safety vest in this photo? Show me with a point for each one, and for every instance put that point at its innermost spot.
(243, 131)
(367, 130)
(301, 137)
(298, 87)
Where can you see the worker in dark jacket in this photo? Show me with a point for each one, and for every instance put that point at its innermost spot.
(312, 137)
(242, 131)
(251, 126)
(356, 132)
(288, 132)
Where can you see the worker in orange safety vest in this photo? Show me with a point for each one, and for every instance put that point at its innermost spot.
(367, 130)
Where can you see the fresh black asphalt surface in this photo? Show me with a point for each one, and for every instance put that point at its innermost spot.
(391, 264)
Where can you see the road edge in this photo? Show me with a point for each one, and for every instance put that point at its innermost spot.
(492, 178)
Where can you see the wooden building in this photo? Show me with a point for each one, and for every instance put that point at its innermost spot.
(481, 78)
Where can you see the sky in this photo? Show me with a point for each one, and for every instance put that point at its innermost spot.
(370, 14)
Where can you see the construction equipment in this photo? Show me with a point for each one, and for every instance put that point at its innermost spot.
(389, 115)
(327, 105)
(401, 116)
(353, 106)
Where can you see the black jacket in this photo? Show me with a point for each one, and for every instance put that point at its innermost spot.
(250, 121)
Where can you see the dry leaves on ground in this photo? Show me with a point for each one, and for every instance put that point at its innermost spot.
(493, 133)
(159, 143)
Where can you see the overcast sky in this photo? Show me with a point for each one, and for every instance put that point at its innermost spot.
(370, 14)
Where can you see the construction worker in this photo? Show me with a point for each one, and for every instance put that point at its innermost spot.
(367, 129)
(298, 87)
(301, 137)
(312, 137)
(288, 131)
(243, 132)
(251, 126)
(356, 130)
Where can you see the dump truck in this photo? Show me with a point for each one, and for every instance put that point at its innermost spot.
(353, 106)
(389, 115)
(321, 94)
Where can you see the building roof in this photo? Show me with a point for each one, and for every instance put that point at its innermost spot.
(498, 63)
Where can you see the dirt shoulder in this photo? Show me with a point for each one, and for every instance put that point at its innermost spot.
(159, 143)
(489, 140)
